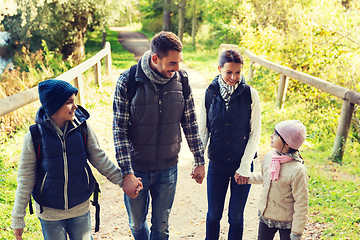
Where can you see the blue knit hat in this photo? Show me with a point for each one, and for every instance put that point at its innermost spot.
(54, 93)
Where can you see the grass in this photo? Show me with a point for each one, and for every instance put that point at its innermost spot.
(334, 188)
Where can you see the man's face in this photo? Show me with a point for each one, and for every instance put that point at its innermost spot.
(168, 65)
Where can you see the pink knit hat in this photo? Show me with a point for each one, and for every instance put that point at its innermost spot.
(293, 132)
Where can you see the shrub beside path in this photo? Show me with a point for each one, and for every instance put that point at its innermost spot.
(188, 215)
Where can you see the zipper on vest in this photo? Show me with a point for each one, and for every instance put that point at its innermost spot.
(158, 129)
(66, 173)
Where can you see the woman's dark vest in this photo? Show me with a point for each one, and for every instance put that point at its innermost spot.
(154, 127)
(63, 177)
(229, 127)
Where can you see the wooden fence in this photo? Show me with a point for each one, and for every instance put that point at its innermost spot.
(350, 98)
(21, 99)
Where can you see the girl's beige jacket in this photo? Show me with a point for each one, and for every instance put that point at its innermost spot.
(287, 199)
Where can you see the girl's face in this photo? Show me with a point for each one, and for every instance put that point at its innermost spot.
(277, 143)
(65, 113)
(231, 72)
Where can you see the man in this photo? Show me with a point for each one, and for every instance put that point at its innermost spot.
(147, 135)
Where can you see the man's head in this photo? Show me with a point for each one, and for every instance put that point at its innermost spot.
(166, 53)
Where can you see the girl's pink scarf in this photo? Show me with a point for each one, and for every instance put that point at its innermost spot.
(276, 160)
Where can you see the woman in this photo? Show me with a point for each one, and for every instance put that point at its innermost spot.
(230, 118)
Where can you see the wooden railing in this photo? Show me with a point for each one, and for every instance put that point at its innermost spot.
(21, 99)
(350, 98)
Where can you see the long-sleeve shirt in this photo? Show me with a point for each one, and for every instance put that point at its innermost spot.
(121, 121)
(26, 179)
(254, 136)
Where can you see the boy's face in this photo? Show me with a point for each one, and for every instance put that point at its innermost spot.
(66, 112)
(168, 65)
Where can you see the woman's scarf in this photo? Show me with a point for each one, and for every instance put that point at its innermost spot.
(276, 160)
(226, 90)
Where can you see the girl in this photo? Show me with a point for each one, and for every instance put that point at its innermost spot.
(230, 118)
(59, 178)
(284, 202)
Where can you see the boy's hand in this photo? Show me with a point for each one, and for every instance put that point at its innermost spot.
(18, 233)
(240, 179)
(198, 173)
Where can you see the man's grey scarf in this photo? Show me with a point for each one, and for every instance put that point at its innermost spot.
(153, 76)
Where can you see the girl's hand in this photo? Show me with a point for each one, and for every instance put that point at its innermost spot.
(240, 179)
(18, 233)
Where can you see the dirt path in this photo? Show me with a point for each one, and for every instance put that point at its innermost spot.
(188, 215)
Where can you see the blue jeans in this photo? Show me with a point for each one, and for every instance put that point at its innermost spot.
(78, 228)
(218, 178)
(161, 186)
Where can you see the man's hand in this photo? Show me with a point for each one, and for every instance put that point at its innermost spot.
(18, 233)
(132, 185)
(198, 173)
(240, 179)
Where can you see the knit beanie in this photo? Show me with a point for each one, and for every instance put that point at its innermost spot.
(54, 93)
(293, 132)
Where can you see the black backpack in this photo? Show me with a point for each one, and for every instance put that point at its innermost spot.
(131, 90)
(36, 138)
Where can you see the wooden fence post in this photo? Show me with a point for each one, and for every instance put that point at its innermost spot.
(97, 70)
(281, 94)
(108, 63)
(78, 82)
(342, 132)
(251, 71)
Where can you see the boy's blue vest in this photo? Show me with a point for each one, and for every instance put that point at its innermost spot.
(229, 127)
(63, 177)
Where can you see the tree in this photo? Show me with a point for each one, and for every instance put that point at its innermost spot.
(182, 4)
(167, 15)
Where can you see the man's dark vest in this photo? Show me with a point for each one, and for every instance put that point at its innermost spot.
(229, 127)
(154, 123)
(63, 177)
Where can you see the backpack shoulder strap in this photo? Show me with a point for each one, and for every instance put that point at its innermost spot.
(36, 138)
(185, 83)
(131, 89)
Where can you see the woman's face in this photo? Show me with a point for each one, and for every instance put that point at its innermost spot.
(231, 72)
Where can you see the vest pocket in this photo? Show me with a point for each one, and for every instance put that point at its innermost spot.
(87, 177)
(43, 183)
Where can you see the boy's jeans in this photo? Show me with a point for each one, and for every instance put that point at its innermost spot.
(78, 228)
(218, 178)
(161, 186)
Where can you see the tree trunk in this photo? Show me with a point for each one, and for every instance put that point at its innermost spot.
(194, 23)
(182, 4)
(167, 16)
(76, 49)
(103, 39)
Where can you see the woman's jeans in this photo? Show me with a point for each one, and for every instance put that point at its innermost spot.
(218, 178)
(161, 186)
(78, 228)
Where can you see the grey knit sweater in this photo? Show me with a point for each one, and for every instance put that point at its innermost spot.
(26, 180)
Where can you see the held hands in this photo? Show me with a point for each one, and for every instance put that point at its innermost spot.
(240, 179)
(18, 233)
(132, 185)
(198, 173)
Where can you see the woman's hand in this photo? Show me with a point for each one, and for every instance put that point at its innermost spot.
(240, 179)
(18, 233)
